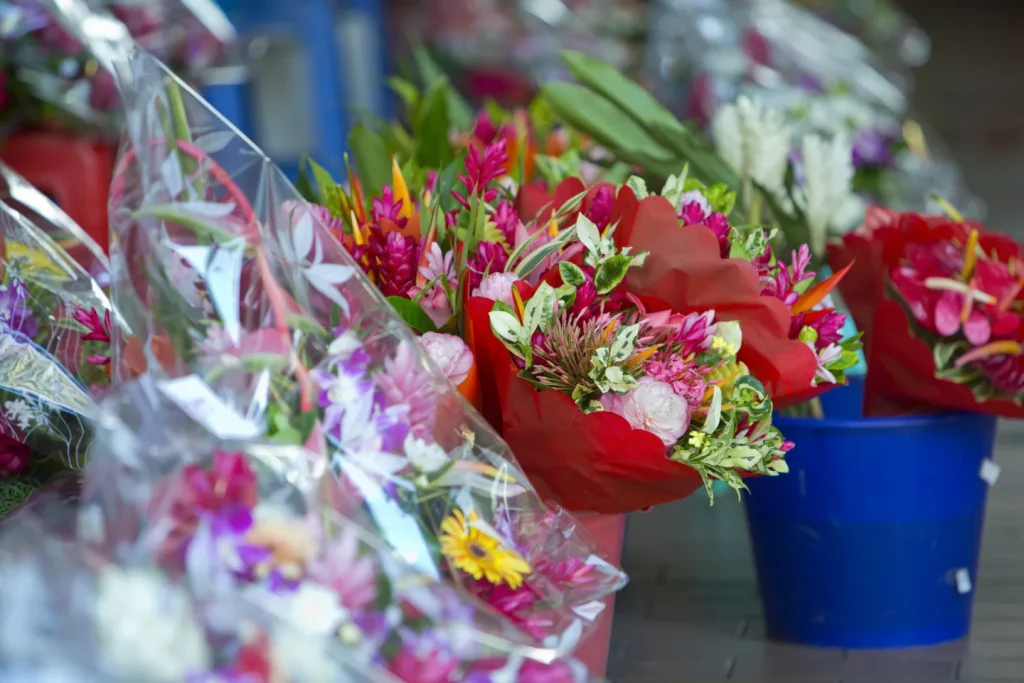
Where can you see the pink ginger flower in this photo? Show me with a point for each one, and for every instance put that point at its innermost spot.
(352, 577)
(484, 128)
(600, 211)
(507, 221)
(329, 220)
(98, 330)
(696, 332)
(404, 381)
(782, 285)
(387, 207)
(430, 185)
(439, 266)
(481, 170)
(684, 378)
(490, 257)
(14, 457)
(397, 260)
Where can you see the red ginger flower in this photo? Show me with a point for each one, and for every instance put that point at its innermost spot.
(395, 261)
(481, 171)
(490, 258)
(387, 207)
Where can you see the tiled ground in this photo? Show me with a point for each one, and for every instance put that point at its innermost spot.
(691, 613)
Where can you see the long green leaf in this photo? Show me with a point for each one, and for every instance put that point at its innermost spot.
(628, 95)
(459, 112)
(535, 258)
(602, 120)
(373, 162)
(432, 125)
(412, 314)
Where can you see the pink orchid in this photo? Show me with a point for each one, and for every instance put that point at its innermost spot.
(954, 312)
(351, 577)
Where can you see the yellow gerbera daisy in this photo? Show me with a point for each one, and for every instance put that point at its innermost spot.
(479, 554)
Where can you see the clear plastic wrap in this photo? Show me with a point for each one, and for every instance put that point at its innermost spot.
(246, 518)
(252, 317)
(24, 198)
(706, 54)
(54, 324)
(69, 614)
(48, 75)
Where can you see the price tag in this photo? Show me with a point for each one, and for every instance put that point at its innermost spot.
(963, 581)
(198, 401)
(990, 471)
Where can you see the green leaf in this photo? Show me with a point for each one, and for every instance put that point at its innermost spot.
(624, 343)
(14, 492)
(412, 314)
(506, 327)
(459, 112)
(628, 95)
(372, 160)
(540, 309)
(326, 186)
(588, 234)
(304, 187)
(432, 126)
(407, 91)
(610, 273)
(536, 257)
(180, 215)
(571, 274)
(606, 123)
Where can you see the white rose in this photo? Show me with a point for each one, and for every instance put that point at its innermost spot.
(656, 408)
(450, 354)
(497, 287)
(426, 457)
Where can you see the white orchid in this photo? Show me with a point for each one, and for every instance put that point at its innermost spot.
(827, 191)
(307, 253)
(755, 141)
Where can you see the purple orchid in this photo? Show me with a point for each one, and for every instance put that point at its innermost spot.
(15, 314)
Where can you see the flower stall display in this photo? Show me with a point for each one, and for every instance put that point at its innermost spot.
(253, 318)
(55, 323)
(940, 297)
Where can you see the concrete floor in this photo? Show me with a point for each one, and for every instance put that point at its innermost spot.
(691, 613)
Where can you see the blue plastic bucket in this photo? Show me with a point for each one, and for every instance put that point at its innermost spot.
(859, 546)
(845, 402)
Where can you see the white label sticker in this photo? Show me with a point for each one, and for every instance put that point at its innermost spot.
(990, 471)
(963, 581)
(199, 402)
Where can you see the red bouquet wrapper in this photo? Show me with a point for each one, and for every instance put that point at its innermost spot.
(901, 368)
(586, 463)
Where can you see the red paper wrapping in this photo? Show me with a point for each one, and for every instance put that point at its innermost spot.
(901, 377)
(591, 463)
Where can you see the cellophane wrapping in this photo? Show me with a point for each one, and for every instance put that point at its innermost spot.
(51, 364)
(233, 519)
(823, 79)
(251, 317)
(70, 613)
(24, 198)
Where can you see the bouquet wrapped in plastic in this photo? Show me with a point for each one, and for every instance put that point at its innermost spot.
(70, 614)
(821, 82)
(55, 323)
(48, 75)
(252, 317)
(40, 210)
(235, 518)
(939, 299)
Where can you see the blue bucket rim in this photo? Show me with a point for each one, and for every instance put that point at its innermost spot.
(876, 423)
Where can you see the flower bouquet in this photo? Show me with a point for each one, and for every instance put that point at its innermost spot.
(633, 349)
(54, 328)
(946, 293)
(252, 317)
(71, 614)
(248, 523)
